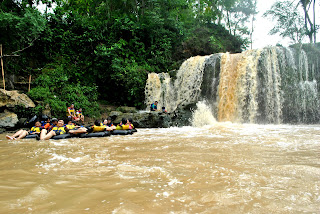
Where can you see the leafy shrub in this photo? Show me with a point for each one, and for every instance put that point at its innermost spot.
(56, 88)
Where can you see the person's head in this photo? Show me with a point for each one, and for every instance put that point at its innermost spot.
(60, 123)
(130, 120)
(156, 102)
(54, 121)
(109, 119)
(97, 123)
(37, 124)
(72, 106)
(123, 121)
(105, 122)
(70, 122)
(80, 109)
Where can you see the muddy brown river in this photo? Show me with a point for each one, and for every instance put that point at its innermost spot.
(222, 168)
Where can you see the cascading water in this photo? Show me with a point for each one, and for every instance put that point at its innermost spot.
(269, 85)
(160, 89)
(184, 90)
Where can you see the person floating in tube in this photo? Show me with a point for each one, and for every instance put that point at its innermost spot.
(154, 106)
(36, 129)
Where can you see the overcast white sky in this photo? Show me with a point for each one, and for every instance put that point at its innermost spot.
(262, 26)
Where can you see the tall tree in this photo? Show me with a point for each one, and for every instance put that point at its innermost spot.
(239, 14)
(289, 23)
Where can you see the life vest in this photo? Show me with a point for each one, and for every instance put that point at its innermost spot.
(131, 126)
(98, 128)
(35, 129)
(70, 127)
(71, 111)
(79, 113)
(47, 125)
(122, 127)
(109, 124)
(59, 130)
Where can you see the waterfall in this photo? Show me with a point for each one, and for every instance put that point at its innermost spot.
(270, 98)
(238, 87)
(159, 88)
(269, 85)
(185, 89)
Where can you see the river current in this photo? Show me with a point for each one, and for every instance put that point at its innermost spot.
(221, 168)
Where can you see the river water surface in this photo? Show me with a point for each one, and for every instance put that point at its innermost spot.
(223, 168)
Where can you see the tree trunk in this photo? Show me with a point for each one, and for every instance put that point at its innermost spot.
(314, 22)
(307, 20)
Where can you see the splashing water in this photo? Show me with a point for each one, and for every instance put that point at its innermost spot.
(202, 115)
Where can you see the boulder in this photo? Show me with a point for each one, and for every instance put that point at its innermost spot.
(156, 119)
(8, 119)
(115, 114)
(47, 110)
(127, 109)
(152, 120)
(12, 98)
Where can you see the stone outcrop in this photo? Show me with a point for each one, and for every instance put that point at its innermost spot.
(148, 119)
(127, 109)
(10, 99)
(8, 119)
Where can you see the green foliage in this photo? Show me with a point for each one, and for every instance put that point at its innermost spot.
(290, 23)
(89, 50)
(55, 87)
(21, 28)
(23, 112)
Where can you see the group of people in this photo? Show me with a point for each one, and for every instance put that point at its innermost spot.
(154, 107)
(47, 129)
(75, 115)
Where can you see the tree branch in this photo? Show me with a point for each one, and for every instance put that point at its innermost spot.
(8, 55)
(25, 47)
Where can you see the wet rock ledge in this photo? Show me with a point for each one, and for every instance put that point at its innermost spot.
(8, 101)
(148, 119)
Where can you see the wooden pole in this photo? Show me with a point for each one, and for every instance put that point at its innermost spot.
(29, 82)
(4, 82)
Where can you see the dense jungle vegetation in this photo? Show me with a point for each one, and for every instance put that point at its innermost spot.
(82, 51)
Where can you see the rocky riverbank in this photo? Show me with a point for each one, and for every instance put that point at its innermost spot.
(148, 119)
(10, 120)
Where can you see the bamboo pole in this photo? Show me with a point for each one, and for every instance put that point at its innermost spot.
(4, 82)
(29, 82)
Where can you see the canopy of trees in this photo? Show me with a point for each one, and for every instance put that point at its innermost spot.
(291, 23)
(85, 50)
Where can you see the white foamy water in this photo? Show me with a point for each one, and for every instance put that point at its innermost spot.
(202, 115)
(218, 168)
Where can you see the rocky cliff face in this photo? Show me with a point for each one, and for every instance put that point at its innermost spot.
(8, 100)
